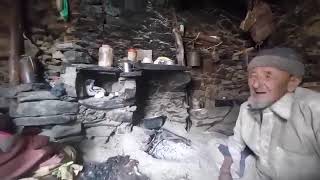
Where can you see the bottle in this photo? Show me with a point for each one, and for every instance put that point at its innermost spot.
(132, 54)
(105, 56)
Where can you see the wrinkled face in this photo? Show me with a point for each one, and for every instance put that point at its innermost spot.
(268, 84)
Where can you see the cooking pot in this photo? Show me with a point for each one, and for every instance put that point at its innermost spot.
(193, 58)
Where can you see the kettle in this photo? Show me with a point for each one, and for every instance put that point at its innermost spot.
(27, 69)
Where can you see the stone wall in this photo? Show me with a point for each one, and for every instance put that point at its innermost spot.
(4, 74)
(93, 23)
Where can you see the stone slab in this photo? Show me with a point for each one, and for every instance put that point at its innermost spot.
(4, 103)
(61, 131)
(30, 87)
(43, 108)
(35, 96)
(69, 79)
(44, 120)
(67, 46)
(105, 103)
(7, 92)
(100, 131)
(77, 57)
(70, 139)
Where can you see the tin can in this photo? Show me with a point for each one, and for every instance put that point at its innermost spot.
(126, 67)
(132, 54)
(105, 56)
(193, 58)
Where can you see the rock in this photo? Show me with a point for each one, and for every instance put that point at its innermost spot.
(55, 68)
(128, 91)
(35, 96)
(100, 131)
(105, 103)
(66, 47)
(61, 131)
(108, 123)
(46, 57)
(76, 57)
(36, 30)
(57, 55)
(39, 42)
(4, 104)
(44, 120)
(55, 62)
(43, 108)
(30, 87)
(70, 139)
(7, 92)
(51, 73)
(44, 48)
(58, 90)
(69, 80)
(312, 27)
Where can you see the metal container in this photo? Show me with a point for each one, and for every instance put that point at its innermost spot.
(132, 54)
(105, 56)
(127, 67)
(193, 58)
(27, 69)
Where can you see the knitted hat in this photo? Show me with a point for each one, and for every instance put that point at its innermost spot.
(285, 59)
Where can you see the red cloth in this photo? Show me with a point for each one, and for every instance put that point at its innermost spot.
(26, 154)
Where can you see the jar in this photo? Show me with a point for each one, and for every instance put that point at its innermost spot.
(105, 56)
(132, 54)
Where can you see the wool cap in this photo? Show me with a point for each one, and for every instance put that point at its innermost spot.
(285, 59)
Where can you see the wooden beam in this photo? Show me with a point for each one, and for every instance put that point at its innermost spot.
(15, 42)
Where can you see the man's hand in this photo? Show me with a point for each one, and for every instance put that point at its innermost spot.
(225, 173)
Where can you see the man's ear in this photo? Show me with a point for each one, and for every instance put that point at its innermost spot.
(294, 82)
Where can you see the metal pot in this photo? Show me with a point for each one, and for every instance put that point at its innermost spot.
(27, 69)
(127, 67)
(193, 58)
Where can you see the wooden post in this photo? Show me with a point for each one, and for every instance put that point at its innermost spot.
(15, 42)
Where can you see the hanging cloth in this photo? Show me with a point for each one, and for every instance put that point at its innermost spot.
(63, 8)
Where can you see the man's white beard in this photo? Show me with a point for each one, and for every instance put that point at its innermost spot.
(258, 105)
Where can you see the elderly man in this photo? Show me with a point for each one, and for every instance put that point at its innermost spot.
(280, 122)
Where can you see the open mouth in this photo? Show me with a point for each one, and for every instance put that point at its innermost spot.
(260, 92)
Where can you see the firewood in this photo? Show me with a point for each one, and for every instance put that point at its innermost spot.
(179, 47)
